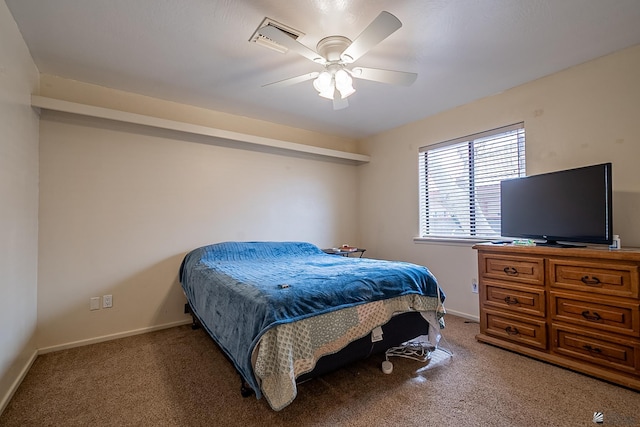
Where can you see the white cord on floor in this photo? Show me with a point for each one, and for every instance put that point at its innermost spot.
(414, 350)
(446, 350)
(411, 350)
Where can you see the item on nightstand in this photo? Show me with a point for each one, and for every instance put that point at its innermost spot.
(345, 251)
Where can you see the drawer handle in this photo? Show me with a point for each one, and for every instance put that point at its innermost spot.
(590, 280)
(592, 349)
(511, 301)
(592, 317)
(511, 330)
(510, 271)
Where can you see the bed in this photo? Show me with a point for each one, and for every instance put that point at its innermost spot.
(286, 311)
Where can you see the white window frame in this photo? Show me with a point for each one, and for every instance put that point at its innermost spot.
(459, 198)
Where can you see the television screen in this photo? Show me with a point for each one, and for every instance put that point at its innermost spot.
(570, 206)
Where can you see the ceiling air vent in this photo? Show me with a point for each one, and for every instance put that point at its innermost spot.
(267, 42)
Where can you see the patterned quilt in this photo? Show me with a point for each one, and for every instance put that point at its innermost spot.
(292, 349)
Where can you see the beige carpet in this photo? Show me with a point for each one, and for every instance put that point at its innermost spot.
(178, 377)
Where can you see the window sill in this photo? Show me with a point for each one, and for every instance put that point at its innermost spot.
(451, 241)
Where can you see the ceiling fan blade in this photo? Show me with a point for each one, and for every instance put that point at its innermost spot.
(340, 103)
(287, 41)
(384, 76)
(293, 80)
(382, 27)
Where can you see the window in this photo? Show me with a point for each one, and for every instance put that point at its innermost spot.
(460, 182)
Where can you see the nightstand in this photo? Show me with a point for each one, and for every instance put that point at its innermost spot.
(337, 251)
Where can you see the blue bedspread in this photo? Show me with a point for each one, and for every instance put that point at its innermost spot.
(239, 290)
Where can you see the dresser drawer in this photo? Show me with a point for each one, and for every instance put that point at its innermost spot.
(610, 279)
(605, 351)
(523, 330)
(596, 312)
(513, 298)
(529, 270)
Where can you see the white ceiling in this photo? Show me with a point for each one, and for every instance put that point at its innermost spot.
(197, 51)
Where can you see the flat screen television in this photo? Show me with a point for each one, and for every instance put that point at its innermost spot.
(572, 205)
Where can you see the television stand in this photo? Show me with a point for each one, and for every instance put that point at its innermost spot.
(577, 308)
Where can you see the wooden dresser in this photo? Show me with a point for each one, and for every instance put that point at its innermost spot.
(575, 307)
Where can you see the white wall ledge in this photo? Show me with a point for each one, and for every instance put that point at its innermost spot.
(173, 125)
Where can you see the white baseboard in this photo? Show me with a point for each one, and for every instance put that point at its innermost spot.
(112, 336)
(14, 387)
(463, 315)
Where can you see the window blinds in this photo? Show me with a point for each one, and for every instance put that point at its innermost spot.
(460, 182)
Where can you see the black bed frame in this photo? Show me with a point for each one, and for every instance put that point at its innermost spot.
(400, 328)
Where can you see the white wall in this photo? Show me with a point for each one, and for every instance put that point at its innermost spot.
(120, 205)
(18, 206)
(584, 115)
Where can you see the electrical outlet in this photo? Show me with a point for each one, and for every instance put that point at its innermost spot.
(474, 286)
(94, 303)
(107, 301)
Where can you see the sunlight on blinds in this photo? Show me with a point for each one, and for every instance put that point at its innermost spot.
(460, 182)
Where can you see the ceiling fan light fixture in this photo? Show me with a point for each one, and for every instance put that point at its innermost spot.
(342, 78)
(345, 92)
(329, 92)
(344, 83)
(323, 81)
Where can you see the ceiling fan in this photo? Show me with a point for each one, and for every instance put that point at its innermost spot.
(336, 54)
